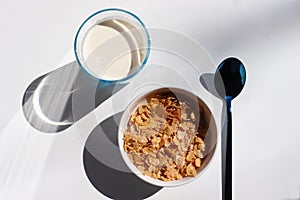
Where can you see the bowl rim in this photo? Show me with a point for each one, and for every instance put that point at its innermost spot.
(133, 168)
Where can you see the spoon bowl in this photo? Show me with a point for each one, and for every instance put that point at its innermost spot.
(230, 78)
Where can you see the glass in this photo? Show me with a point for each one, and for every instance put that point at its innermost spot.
(112, 45)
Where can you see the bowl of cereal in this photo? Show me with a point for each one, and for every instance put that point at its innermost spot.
(167, 136)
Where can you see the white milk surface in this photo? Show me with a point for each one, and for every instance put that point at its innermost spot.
(106, 53)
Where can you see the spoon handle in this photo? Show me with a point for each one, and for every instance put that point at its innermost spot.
(227, 155)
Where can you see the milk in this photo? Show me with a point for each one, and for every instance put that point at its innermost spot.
(107, 53)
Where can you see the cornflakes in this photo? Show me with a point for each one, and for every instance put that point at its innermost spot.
(162, 139)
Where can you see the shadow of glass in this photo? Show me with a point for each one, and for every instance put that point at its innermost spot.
(47, 102)
(112, 183)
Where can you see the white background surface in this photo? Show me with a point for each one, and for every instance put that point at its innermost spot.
(36, 35)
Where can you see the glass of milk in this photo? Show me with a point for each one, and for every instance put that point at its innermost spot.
(112, 45)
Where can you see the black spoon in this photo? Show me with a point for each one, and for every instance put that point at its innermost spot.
(229, 79)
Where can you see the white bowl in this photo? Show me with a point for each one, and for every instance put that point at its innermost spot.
(210, 138)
